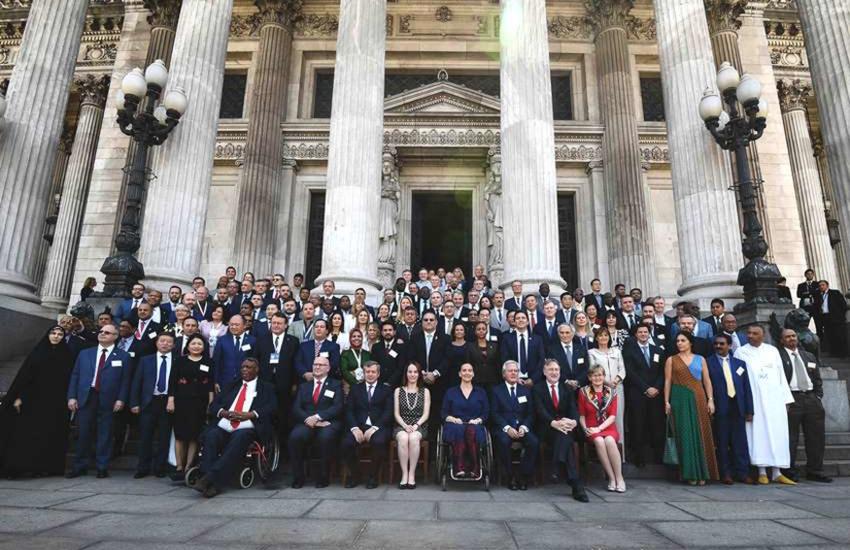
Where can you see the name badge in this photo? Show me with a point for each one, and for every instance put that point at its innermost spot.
(116, 363)
(246, 347)
(522, 399)
(152, 335)
(811, 365)
(655, 357)
(132, 354)
(323, 354)
(204, 368)
(595, 327)
(464, 319)
(662, 336)
(274, 358)
(494, 338)
(393, 353)
(254, 394)
(399, 341)
(580, 361)
(740, 371)
(329, 393)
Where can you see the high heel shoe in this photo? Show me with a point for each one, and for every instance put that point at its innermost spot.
(621, 488)
(612, 486)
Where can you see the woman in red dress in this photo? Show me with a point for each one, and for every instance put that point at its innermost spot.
(597, 409)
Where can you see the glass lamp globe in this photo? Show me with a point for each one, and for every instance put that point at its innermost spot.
(176, 100)
(727, 77)
(160, 115)
(134, 83)
(763, 109)
(749, 89)
(710, 106)
(157, 74)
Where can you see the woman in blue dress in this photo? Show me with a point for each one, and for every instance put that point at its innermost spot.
(464, 412)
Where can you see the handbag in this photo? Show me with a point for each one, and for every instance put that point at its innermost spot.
(671, 452)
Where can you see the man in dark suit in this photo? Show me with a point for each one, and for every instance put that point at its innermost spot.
(146, 331)
(391, 354)
(149, 399)
(319, 346)
(99, 386)
(807, 290)
(231, 350)
(627, 317)
(524, 348)
(571, 356)
(276, 352)
(702, 346)
(718, 308)
(515, 302)
(428, 350)
(567, 312)
(547, 330)
(245, 411)
(596, 296)
(831, 309)
(175, 295)
(202, 310)
(369, 418)
(535, 316)
(126, 307)
(644, 396)
(76, 343)
(733, 408)
(407, 324)
(557, 415)
(317, 414)
(802, 371)
(512, 421)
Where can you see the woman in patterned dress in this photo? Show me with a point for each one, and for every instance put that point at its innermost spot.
(597, 410)
(411, 408)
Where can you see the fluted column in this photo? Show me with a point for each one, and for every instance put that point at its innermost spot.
(841, 262)
(60, 261)
(284, 217)
(176, 208)
(352, 203)
(630, 251)
(260, 184)
(793, 95)
(36, 102)
(529, 187)
(706, 216)
(599, 210)
(825, 24)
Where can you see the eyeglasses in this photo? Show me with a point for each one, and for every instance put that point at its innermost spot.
(106, 332)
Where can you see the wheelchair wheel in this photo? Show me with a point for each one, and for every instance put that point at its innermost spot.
(192, 476)
(443, 480)
(486, 482)
(267, 459)
(440, 458)
(246, 478)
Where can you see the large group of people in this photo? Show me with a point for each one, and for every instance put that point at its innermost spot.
(333, 376)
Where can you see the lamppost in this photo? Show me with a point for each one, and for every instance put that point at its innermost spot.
(148, 121)
(734, 131)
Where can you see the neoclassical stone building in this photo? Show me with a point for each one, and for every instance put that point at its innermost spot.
(351, 139)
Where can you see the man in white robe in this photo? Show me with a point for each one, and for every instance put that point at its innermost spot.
(767, 433)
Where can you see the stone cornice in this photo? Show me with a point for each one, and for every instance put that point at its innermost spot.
(579, 29)
(724, 15)
(92, 89)
(164, 13)
(793, 94)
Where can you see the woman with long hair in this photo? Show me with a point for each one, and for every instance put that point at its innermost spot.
(465, 411)
(214, 329)
(336, 330)
(583, 330)
(611, 361)
(618, 336)
(352, 360)
(485, 357)
(412, 405)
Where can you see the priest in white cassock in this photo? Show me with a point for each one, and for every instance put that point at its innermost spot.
(767, 434)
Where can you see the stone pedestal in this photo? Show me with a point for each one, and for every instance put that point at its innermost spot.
(352, 202)
(761, 314)
(36, 101)
(529, 186)
(835, 402)
(710, 259)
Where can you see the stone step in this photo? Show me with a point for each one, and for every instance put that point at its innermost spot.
(831, 453)
(839, 468)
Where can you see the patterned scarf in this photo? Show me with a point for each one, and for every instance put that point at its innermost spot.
(600, 402)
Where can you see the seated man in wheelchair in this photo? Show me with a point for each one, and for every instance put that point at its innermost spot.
(465, 411)
(512, 419)
(245, 411)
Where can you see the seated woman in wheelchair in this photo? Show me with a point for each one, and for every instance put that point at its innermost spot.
(244, 411)
(465, 411)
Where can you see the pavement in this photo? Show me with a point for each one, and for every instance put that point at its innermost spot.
(121, 512)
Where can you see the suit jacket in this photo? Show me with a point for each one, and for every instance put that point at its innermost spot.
(200, 312)
(404, 333)
(500, 326)
(123, 310)
(621, 320)
(115, 377)
(702, 346)
(812, 368)
(307, 352)
(281, 373)
(743, 392)
(379, 410)
(299, 330)
(595, 299)
(545, 408)
(541, 330)
(144, 379)
(330, 403)
(836, 304)
(436, 359)
(168, 309)
(392, 364)
(716, 326)
(511, 303)
(807, 291)
(228, 359)
(146, 345)
(441, 325)
(640, 376)
(505, 411)
(541, 301)
(264, 404)
(577, 368)
(510, 350)
(564, 316)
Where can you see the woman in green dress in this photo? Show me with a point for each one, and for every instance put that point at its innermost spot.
(687, 397)
(352, 360)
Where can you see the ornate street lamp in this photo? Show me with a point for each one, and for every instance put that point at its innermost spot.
(734, 131)
(148, 121)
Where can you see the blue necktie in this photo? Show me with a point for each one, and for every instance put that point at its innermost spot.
(513, 393)
(163, 371)
(646, 355)
(523, 354)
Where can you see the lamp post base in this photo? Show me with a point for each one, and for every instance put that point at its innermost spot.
(122, 271)
(759, 278)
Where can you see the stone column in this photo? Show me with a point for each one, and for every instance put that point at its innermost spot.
(825, 24)
(259, 187)
(36, 101)
(176, 208)
(350, 253)
(60, 261)
(284, 216)
(793, 95)
(596, 170)
(630, 242)
(706, 216)
(832, 224)
(529, 186)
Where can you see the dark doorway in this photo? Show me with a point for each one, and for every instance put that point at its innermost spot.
(568, 247)
(315, 234)
(441, 230)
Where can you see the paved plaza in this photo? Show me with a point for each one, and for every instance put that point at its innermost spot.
(124, 513)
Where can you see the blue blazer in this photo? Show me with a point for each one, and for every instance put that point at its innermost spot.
(114, 381)
(509, 350)
(228, 359)
(743, 393)
(264, 404)
(329, 407)
(123, 310)
(577, 370)
(505, 411)
(542, 330)
(307, 352)
(379, 410)
(144, 379)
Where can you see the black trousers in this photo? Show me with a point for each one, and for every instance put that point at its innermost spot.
(835, 337)
(154, 418)
(645, 424)
(224, 452)
(377, 451)
(284, 408)
(563, 453)
(503, 443)
(807, 411)
(300, 439)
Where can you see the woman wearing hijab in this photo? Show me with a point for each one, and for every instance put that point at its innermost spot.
(34, 414)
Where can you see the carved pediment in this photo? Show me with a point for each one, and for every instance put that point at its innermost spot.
(442, 98)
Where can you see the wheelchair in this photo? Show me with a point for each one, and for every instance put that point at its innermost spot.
(444, 471)
(261, 461)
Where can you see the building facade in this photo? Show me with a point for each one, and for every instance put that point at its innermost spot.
(554, 140)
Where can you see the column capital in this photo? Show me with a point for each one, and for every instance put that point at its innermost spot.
(93, 89)
(594, 166)
(606, 14)
(724, 15)
(284, 13)
(793, 94)
(164, 13)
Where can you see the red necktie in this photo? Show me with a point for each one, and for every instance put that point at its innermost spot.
(240, 402)
(316, 393)
(554, 397)
(100, 364)
(139, 330)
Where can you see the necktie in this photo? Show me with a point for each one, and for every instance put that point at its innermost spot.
(523, 354)
(631, 320)
(135, 304)
(139, 330)
(800, 370)
(531, 318)
(316, 391)
(371, 387)
(568, 351)
(276, 343)
(513, 393)
(236, 341)
(551, 326)
(727, 375)
(100, 364)
(554, 396)
(163, 374)
(318, 348)
(499, 315)
(240, 402)
(427, 349)
(646, 355)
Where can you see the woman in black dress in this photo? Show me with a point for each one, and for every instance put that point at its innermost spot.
(485, 358)
(457, 352)
(34, 414)
(190, 392)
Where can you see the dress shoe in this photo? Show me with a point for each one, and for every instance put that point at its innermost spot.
(161, 474)
(820, 478)
(350, 483)
(792, 475)
(178, 475)
(321, 483)
(747, 480)
(784, 480)
(763, 480)
(523, 484)
(140, 475)
(75, 473)
(102, 474)
(402, 486)
(579, 494)
(512, 485)
(202, 484)
(727, 480)
(411, 486)
(371, 483)
(297, 483)
(211, 491)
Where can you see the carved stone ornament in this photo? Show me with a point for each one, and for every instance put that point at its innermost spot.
(14, 4)
(443, 14)
(606, 14)
(4, 55)
(724, 15)
(93, 89)
(316, 24)
(278, 12)
(100, 51)
(164, 13)
(389, 216)
(495, 219)
(793, 94)
(568, 27)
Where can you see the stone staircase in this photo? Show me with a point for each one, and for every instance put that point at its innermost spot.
(836, 461)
